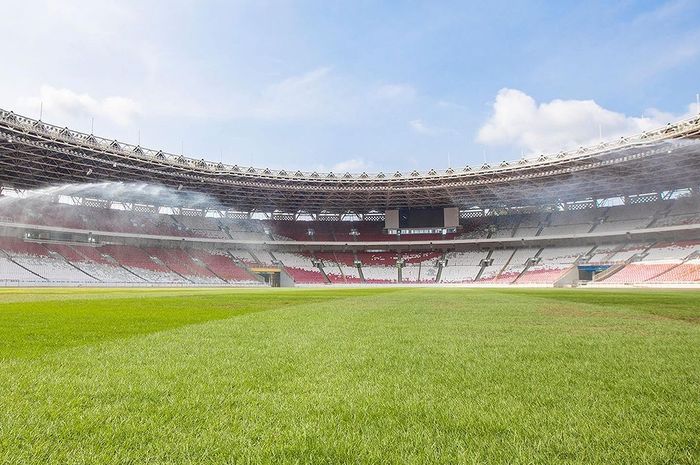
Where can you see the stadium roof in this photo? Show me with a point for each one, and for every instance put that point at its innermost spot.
(34, 154)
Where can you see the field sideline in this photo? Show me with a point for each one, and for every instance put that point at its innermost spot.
(390, 375)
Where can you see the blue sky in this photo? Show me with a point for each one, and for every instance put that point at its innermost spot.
(360, 85)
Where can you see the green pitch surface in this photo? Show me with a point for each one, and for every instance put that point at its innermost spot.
(349, 376)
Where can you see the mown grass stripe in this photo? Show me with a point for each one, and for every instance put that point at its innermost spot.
(412, 376)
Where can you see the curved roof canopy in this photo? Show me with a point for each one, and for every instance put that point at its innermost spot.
(34, 154)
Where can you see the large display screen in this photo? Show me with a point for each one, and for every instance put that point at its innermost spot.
(421, 218)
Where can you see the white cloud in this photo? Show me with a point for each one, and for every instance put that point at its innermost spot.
(448, 104)
(295, 97)
(518, 120)
(98, 21)
(64, 104)
(354, 165)
(421, 128)
(396, 92)
(319, 94)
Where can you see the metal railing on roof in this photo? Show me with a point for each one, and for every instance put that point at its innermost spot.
(679, 129)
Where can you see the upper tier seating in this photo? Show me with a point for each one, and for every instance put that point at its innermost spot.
(475, 229)
(683, 211)
(264, 256)
(65, 251)
(32, 261)
(17, 247)
(243, 256)
(644, 211)
(601, 254)
(343, 258)
(198, 222)
(621, 226)
(566, 229)
(94, 254)
(617, 218)
(587, 216)
(627, 218)
(628, 252)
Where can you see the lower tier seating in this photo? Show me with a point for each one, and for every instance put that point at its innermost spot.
(687, 272)
(639, 272)
(32, 261)
(541, 274)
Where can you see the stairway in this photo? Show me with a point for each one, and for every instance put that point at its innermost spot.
(661, 213)
(204, 265)
(600, 219)
(483, 265)
(503, 268)
(607, 273)
(528, 265)
(255, 258)
(441, 260)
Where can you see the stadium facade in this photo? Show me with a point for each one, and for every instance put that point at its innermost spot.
(624, 212)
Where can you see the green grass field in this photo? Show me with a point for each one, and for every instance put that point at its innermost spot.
(349, 376)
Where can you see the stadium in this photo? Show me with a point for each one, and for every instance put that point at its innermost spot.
(350, 233)
(83, 210)
(373, 350)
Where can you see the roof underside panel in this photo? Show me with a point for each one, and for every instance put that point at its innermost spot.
(34, 157)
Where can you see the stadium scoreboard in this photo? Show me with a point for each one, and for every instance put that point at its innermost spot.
(421, 220)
